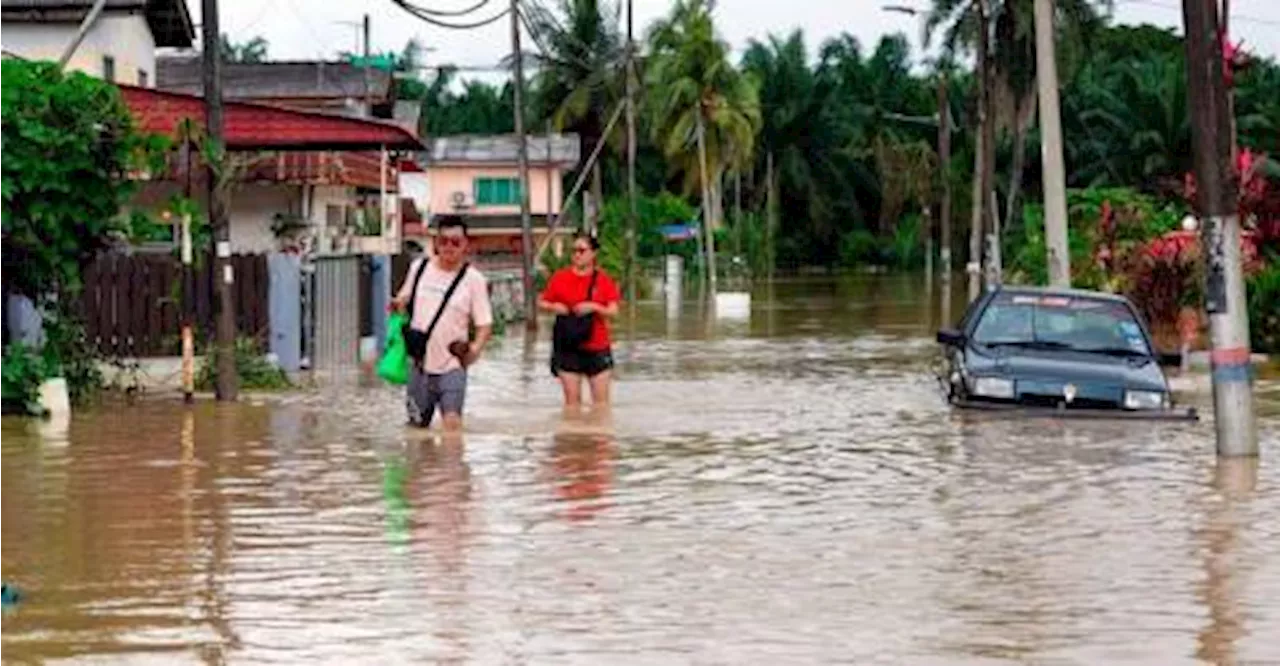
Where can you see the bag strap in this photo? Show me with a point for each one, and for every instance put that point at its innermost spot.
(445, 301)
(413, 292)
(591, 286)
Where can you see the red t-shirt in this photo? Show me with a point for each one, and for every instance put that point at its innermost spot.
(569, 288)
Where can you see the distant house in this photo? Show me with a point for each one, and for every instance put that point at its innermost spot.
(121, 45)
(332, 189)
(332, 87)
(477, 178)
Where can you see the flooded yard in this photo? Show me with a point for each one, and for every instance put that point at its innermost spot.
(783, 487)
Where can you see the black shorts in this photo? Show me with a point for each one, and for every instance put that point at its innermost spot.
(581, 362)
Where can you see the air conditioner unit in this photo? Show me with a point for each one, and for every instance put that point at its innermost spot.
(459, 199)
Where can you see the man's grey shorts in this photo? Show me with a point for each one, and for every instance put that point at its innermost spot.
(426, 392)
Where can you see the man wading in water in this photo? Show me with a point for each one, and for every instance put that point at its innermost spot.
(445, 296)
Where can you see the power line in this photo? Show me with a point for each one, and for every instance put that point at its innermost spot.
(1234, 17)
(426, 16)
(454, 13)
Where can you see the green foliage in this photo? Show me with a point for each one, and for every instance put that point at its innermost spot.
(1138, 217)
(252, 51)
(68, 354)
(69, 146)
(254, 371)
(1264, 308)
(24, 371)
(859, 246)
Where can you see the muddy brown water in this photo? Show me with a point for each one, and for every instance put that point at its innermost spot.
(787, 487)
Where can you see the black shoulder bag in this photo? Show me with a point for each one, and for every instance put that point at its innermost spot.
(415, 341)
(571, 331)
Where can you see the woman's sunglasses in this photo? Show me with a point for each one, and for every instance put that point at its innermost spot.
(581, 249)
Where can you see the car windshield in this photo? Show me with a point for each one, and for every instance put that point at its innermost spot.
(1066, 322)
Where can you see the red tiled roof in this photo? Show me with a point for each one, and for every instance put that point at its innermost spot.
(250, 126)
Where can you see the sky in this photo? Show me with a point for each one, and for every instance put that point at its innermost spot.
(310, 29)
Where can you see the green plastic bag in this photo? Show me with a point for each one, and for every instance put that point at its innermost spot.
(394, 366)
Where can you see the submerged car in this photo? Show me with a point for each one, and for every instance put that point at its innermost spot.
(1064, 349)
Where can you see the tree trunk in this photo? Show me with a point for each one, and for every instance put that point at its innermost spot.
(771, 201)
(1015, 173)
(597, 197)
(707, 203)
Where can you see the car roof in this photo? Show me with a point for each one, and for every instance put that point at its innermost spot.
(1060, 291)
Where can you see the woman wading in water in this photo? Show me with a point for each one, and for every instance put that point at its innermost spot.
(583, 298)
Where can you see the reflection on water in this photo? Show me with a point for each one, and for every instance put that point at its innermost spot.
(784, 487)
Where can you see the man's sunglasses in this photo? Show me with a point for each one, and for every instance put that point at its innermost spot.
(451, 241)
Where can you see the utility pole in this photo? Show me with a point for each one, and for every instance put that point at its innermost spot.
(223, 271)
(368, 75)
(1055, 188)
(522, 157)
(1216, 200)
(944, 162)
(631, 158)
(981, 182)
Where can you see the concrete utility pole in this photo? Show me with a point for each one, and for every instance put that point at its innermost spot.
(223, 271)
(522, 158)
(631, 158)
(1216, 200)
(1055, 188)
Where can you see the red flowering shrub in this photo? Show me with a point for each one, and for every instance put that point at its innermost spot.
(1166, 274)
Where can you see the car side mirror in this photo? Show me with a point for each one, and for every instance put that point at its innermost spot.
(950, 337)
(1169, 359)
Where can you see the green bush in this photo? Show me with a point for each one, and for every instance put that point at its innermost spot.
(69, 147)
(1138, 217)
(24, 371)
(859, 246)
(1264, 309)
(254, 371)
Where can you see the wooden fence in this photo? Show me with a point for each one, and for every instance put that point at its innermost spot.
(132, 305)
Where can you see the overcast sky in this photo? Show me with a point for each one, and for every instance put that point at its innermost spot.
(307, 29)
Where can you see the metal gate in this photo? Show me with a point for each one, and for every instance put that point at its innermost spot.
(336, 299)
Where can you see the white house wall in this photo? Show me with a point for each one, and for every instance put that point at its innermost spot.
(124, 37)
(253, 210)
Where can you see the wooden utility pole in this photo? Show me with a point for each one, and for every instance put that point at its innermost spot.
(522, 158)
(223, 272)
(368, 74)
(981, 185)
(632, 267)
(988, 119)
(1055, 187)
(188, 283)
(1216, 200)
(944, 163)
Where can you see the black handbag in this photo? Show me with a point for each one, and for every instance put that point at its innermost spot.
(571, 331)
(415, 341)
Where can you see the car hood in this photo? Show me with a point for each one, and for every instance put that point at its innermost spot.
(1067, 366)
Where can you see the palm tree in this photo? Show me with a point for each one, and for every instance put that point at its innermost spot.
(704, 113)
(1009, 52)
(580, 73)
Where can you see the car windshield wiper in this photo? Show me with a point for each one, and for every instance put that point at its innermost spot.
(1029, 344)
(1115, 351)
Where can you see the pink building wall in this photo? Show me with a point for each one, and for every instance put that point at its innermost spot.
(445, 179)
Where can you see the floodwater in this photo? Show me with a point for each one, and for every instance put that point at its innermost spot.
(781, 487)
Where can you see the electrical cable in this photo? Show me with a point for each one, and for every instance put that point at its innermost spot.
(452, 13)
(416, 12)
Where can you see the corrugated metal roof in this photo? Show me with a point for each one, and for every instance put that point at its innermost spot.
(259, 126)
(566, 149)
(274, 80)
(169, 20)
